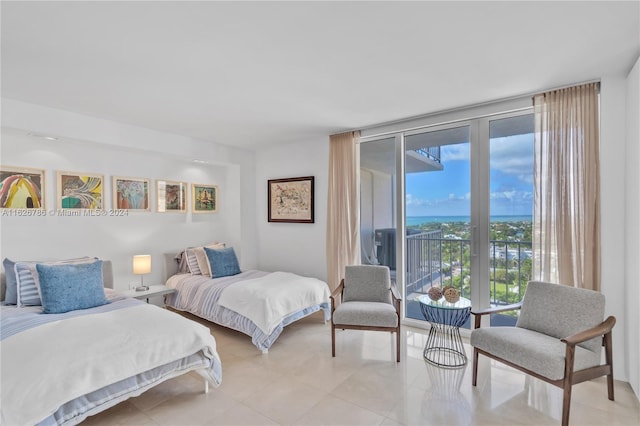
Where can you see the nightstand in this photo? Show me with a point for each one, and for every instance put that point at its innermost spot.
(154, 290)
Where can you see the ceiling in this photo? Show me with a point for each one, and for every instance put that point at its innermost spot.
(251, 74)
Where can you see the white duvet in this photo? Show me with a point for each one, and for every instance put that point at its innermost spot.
(51, 364)
(269, 299)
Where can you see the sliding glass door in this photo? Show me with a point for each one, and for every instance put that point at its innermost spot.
(438, 213)
(377, 203)
(511, 209)
(462, 194)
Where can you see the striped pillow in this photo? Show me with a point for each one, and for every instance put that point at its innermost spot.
(192, 262)
(28, 283)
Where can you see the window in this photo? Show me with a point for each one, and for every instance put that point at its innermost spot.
(462, 193)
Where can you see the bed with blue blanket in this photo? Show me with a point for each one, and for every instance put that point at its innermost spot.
(61, 367)
(257, 303)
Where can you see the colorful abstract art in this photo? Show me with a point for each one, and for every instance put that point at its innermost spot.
(131, 194)
(291, 200)
(80, 191)
(204, 198)
(172, 196)
(21, 188)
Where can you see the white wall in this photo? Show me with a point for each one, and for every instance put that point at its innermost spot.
(293, 247)
(612, 190)
(632, 227)
(98, 146)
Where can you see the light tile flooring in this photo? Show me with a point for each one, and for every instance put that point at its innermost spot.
(299, 383)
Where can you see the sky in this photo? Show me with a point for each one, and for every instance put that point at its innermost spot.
(447, 192)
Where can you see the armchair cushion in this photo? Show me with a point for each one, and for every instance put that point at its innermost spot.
(367, 283)
(542, 354)
(370, 314)
(561, 311)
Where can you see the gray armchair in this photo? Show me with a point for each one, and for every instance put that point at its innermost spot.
(366, 300)
(558, 338)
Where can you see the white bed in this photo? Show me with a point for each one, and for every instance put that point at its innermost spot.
(60, 368)
(256, 303)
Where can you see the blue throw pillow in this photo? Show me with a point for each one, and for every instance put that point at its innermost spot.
(223, 262)
(11, 292)
(65, 288)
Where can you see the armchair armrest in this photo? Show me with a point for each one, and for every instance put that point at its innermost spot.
(599, 330)
(337, 292)
(395, 293)
(497, 309)
(478, 314)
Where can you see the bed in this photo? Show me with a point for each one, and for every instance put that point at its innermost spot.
(60, 368)
(257, 303)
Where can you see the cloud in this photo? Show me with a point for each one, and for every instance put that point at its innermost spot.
(513, 156)
(502, 203)
(512, 195)
(457, 152)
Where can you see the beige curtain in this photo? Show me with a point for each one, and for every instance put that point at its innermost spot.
(343, 241)
(566, 215)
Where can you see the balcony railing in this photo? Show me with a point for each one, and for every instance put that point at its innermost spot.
(434, 260)
(431, 152)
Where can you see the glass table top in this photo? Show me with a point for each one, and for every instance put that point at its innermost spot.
(463, 303)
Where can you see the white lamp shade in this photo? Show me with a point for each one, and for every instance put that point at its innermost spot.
(142, 264)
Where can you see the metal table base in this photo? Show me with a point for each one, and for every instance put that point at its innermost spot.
(444, 347)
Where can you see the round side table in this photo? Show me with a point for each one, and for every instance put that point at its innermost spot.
(444, 346)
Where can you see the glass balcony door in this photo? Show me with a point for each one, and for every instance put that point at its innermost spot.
(438, 213)
(511, 209)
(469, 221)
(378, 212)
(462, 193)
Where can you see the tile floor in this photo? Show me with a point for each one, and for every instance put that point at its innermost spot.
(299, 383)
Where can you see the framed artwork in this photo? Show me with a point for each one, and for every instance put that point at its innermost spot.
(80, 191)
(171, 196)
(204, 198)
(131, 194)
(21, 188)
(291, 200)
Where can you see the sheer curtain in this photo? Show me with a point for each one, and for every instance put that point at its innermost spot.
(343, 241)
(566, 217)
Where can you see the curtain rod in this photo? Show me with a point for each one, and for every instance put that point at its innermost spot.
(480, 104)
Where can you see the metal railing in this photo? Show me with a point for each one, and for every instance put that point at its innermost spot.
(434, 260)
(432, 152)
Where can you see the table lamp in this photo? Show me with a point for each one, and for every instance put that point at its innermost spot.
(141, 266)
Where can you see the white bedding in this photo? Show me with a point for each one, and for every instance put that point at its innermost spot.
(200, 296)
(269, 299)
(46, 366)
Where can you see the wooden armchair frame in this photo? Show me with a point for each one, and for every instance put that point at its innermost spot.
(336, 298)
(571, 377)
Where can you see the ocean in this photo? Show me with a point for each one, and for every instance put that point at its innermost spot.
(418, 220)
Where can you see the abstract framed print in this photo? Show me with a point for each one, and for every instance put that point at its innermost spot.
(131, 194)
(21, 188)
(171, 196)
(291, 200)
(204, 198)
(80, 191)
